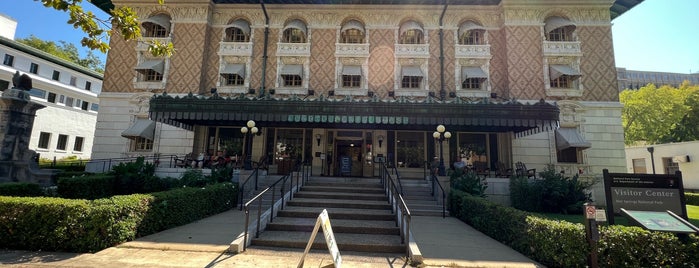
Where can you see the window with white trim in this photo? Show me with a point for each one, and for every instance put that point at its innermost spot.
(62, 142)
(44, 139)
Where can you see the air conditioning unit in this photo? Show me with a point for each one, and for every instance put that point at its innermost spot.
(680, 159)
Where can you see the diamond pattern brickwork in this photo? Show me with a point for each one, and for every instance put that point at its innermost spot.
(449, 62)
(186, 63)
(210, 70)
(597, 64)
(498, 63)
(381, 61)
(525, 62)
(119, 70)
(257, 52)
(322, 62)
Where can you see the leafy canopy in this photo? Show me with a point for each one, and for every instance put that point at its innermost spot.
(123, 21)
(66, 51)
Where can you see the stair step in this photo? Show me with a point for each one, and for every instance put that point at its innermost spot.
(342, 189)
(370, 185)
(338, 213)
(338, 226)
(345, 241)
(339, 203)
(337, 195)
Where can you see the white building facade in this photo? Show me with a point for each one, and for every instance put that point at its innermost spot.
(666, 159)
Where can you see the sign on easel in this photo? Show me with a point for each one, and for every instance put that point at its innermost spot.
(324, 221)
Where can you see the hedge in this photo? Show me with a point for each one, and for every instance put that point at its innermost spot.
(21, 189)
(86, 187)
(563, 244)
(56, 224)
(692, 198)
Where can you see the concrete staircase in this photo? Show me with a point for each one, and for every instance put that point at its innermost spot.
(360, 215)
(417, 193)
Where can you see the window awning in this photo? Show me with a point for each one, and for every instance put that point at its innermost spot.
(160, 19)
(242, 25)
(556, 70)
(567, 137)
(409, 25)
(296, 24)
(294, 69)
(351, 70)
(553, 23)
(144, 128)
(155, 65)
(411, 71)
(352, 24)
(469, 25)
(472, 72)
(238, 69)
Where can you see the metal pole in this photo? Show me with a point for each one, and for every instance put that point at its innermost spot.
(442, 170)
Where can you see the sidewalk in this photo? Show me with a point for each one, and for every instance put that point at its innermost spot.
(444, 242)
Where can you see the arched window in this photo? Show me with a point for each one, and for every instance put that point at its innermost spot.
(238, 31)
(411, 33)
(471, 33)
(294, 32)
(352, 32)
(559, 29)
(156, 26)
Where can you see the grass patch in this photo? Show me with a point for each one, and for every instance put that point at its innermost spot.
(692, 214)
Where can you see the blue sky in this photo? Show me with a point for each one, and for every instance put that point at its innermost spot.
(656, 35)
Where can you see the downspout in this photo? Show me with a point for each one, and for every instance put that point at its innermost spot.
(442, 91)
(264, 50)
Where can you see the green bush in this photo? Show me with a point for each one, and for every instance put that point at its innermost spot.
(692, 199)
(563, 244)
(135, 177)
(468, 182)
(86, 187)
(551, 193)
(78, 225)
(21, 189)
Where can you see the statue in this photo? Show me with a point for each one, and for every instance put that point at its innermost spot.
(23, 82)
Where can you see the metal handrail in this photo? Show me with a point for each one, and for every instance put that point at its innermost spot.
(444, 195)
(299, 182)
(398, 205)
(400, 185)
(108, 163)
(241, 186)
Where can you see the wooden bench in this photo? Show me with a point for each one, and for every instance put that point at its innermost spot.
(521, 170)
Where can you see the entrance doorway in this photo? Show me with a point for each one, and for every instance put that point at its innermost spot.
(348, 160)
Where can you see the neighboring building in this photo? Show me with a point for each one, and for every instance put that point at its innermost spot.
(666, 159)
(342, 86)
(66, 126)
(630, 79)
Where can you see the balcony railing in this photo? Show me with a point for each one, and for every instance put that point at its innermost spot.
(562, 48)
(293, 49)
(235, 49)
(412, 50)
(351, 50)
(472, 51)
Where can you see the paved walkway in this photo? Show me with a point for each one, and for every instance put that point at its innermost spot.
(444, 242)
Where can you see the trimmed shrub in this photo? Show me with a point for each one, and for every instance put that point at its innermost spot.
(132, 177)
(468, 182)
(21, 189)
(692, 199)
(552, 193)
(78, 225)
(86, 187)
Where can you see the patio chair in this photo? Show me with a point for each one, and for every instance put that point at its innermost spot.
(502, 170)
(183, 162)
(521, 170)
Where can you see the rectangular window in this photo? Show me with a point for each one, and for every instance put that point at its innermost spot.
(73, 80)
(38, 93)
(471, 83)
(639, 165)
(9, 60)
(56, 75)
(88, 85)
(62, 142)
(670, 166)
(51, 98)
(69, 102)
(151, 76)
(85, 105)
(94, 107)
(62, 99)
(78, 146)
(78, 103)
(233, 80)
(411, 81)
(564, 81)
(141, 144)
(44, 139)
(568, 155)
(292, 80)
(34, 68)
(351, 81)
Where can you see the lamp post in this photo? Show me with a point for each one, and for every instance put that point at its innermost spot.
(250, 127)
(652, 159)
(441, 135)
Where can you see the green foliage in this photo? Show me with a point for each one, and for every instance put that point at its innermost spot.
(692, 198)
(551, 193)
(563, 244)
(222, 174)
(655, 115)
(66, 51)
(135, 177)
(468, 182)
(78, 225)
(20, 189)
(86, 187)
(193, 178)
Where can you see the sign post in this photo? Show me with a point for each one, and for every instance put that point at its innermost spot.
(591, 233)
(324, 222)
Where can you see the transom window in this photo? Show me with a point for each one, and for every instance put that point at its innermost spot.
(472, 37)
(292, 80)
(352, 36)
(354, 81)
(234, 34)
(233, 80)
(472, 83)
(412, 36)
(411, 81)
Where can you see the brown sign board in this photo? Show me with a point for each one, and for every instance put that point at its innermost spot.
(644, 192)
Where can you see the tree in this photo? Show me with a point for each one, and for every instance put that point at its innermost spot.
(65, 51)
(123, 21)
(688, 128)
(654, 115)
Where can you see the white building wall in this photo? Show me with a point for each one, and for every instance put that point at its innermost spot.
(689, 169)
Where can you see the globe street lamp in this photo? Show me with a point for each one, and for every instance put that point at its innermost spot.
(441, 135)
(250, 127)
